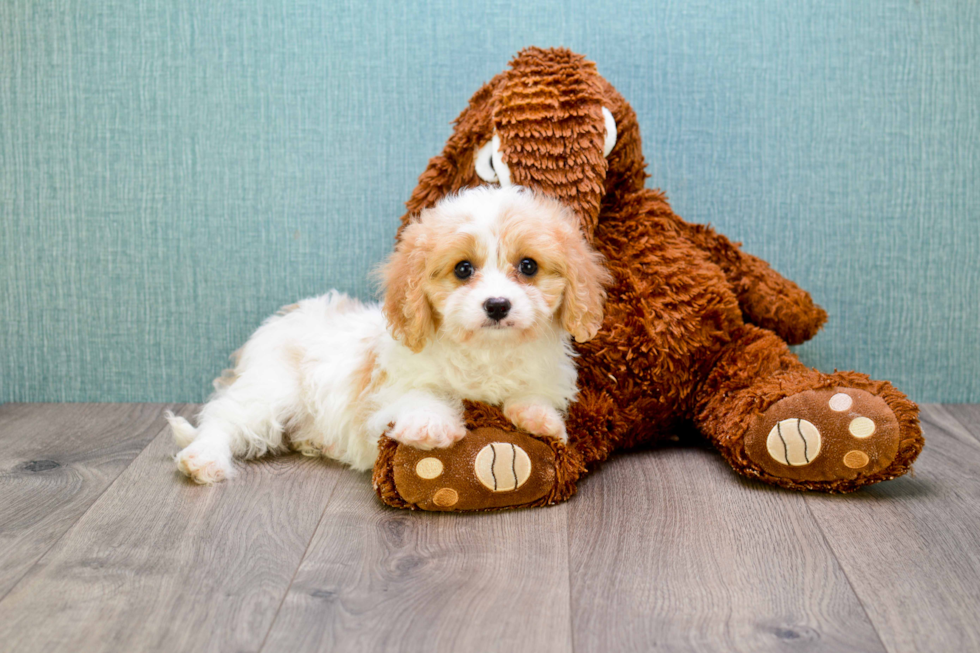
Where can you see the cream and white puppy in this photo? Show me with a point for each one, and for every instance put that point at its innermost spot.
(482, 296)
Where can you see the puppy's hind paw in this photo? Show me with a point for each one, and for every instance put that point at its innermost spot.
(205, 463)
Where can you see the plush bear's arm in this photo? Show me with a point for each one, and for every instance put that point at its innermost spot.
(767, 299)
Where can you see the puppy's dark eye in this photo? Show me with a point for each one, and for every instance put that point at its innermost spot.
(464, 270)
(528, 267)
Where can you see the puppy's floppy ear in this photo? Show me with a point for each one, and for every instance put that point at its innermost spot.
(585, 280)
(405, 305)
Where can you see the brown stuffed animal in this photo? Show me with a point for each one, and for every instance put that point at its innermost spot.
(695, 332)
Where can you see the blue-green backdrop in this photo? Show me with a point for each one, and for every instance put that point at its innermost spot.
(172, 171)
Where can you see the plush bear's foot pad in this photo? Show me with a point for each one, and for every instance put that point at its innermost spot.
(488, 468)
(824, 435)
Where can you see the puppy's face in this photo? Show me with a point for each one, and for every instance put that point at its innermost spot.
(492, 265)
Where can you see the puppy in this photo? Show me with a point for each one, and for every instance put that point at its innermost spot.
(483, 294)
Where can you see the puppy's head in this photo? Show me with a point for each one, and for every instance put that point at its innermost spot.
(490, 265)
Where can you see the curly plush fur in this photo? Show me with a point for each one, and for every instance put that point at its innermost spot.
(695, 330)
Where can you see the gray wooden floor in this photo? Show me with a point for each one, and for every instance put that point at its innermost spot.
(103, 546)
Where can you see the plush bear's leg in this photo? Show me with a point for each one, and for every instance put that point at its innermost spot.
(494, 466)
(781, 422)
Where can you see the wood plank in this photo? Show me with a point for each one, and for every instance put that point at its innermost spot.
(909, 546)
(671, 550)
(967, 415)
(55, 461)
(379, 579)
(161, 564)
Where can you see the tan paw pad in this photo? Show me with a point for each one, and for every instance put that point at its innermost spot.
(830, 434)
(794, 442)
(489, 468)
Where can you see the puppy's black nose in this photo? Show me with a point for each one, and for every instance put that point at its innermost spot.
(497, 308)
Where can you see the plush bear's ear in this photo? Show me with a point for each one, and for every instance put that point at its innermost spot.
(406, 306)
(549, 116)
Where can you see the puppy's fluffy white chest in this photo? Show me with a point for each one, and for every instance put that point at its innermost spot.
(493, 372)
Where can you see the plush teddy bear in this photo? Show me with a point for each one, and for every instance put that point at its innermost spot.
(695, 332)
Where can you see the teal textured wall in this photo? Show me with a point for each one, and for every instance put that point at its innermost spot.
(173, 171)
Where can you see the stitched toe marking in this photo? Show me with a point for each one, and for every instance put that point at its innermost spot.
(502, 466)
(794, 442)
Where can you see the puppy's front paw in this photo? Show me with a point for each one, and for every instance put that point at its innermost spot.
(205, 463)
(425, 430)
(537, 418)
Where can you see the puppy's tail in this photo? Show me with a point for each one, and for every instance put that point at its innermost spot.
(184, 433)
